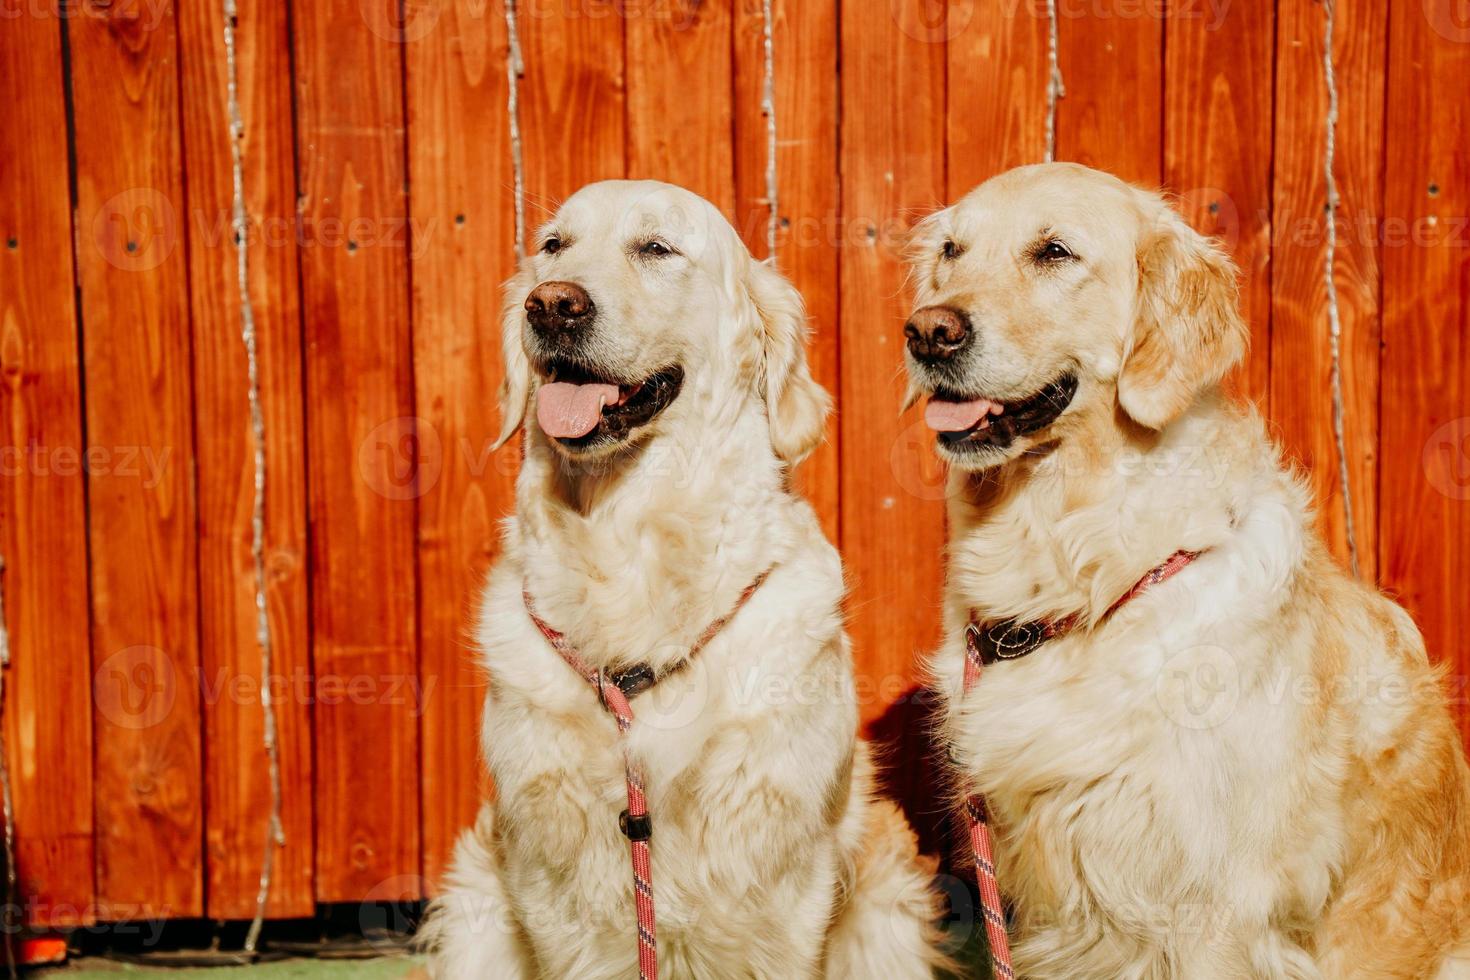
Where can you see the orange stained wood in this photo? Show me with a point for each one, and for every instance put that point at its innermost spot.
(1217, 150)
(1112, 58)
(998, 71)
(892, 487)
(573, 99)
(808, 224)
(379, 184)
(43, 521)
(365, 454)
(463, 250)
(1300, 353)
(1424, 513)
(130, 234)
(680, 101)
(237, 803)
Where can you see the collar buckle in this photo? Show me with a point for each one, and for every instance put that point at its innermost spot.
(634, 681)
(1011, 640)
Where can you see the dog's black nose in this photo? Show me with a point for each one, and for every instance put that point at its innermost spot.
(937, 333)
(556, 308)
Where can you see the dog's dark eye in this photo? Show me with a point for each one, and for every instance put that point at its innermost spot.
(551, 246)
(655, 248)
(950, 250)
(1053, 251)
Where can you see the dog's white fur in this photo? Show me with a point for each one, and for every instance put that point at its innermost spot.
(1249, 770)
(771, 856)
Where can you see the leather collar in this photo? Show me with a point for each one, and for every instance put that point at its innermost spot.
(1011, 639)
(640, 677)
(634, 680)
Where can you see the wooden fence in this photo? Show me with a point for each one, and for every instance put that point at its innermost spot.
(378, 175)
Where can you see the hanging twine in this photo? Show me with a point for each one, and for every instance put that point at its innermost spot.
(275, 836)
(1055, 90)
(768, 107)
(515, 67)
(1334, 318)
(12, 882)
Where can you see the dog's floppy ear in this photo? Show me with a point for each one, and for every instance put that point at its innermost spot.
(515, 386)
(796, 405)
(1188, 332)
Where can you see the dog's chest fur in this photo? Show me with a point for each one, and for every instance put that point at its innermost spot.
(1144, 776)
(747, 779)
(1138, 827)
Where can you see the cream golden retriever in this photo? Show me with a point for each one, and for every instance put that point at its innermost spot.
(1248, 769)
(667, 376)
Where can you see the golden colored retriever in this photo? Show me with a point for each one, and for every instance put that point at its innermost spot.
(667, 374)
(1246, 770)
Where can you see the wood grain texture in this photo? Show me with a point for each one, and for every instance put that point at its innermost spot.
(43, 521)
(573, 105)
(140, 434)
(1217, 149)
(804, 42)
(237, 776)
(461, 200)
(377, 292)
(1424, 517)
(1111, 56)
(892, 158)
(680, 105)
(1301, 361)
(365, 457)
(996, 115)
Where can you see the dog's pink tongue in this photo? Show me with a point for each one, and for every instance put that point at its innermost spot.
(570, 411)
(943, 416)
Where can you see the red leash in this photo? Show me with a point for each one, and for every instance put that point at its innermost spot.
(991, 906)
(1010, 640)
(615, 692)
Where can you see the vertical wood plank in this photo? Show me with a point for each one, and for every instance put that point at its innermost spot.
(42, 510)
(464, 247)
(140, 435)
(573, 106)
(1111, 56)
(1301, 361)
(805, 51)
(364, 457)
(680, 110)
(996, 117)
(1425, 430)
(1217, 148)
(237, 781)
(892, 158)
